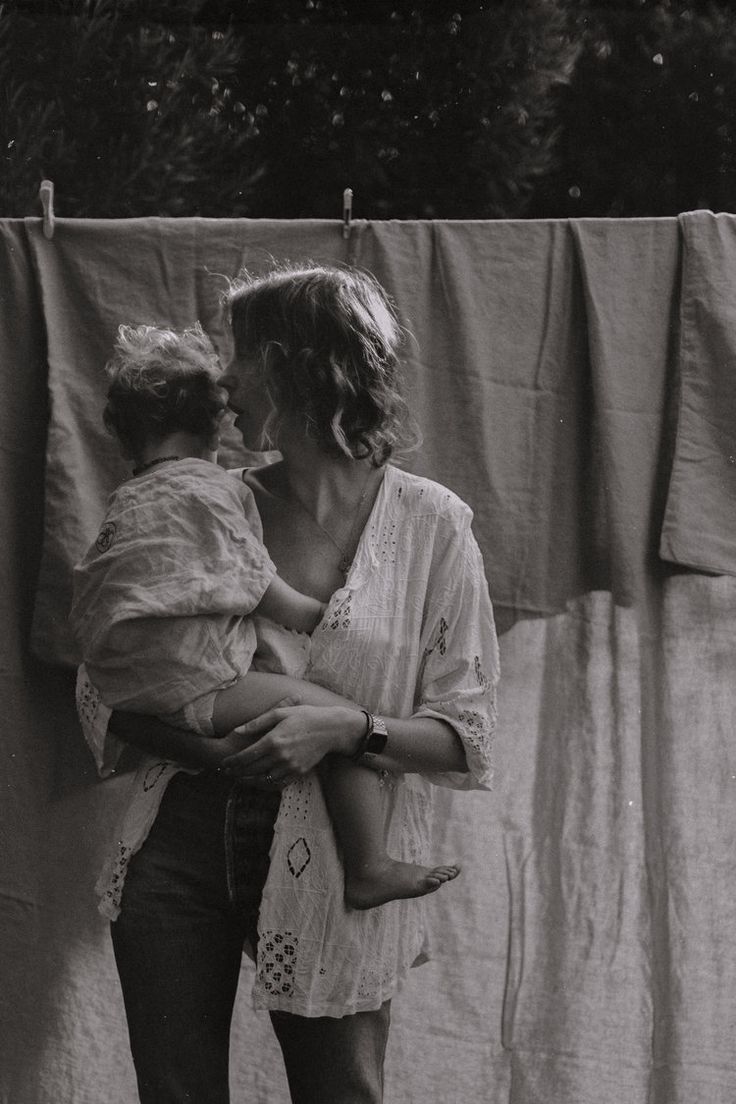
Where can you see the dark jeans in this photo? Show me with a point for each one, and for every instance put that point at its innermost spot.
(191, 897)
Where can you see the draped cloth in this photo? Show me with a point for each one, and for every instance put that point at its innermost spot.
(575, 383)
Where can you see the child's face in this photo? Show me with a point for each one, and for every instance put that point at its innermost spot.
(247, 399)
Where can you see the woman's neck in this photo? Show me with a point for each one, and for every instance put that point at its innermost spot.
(324, 483)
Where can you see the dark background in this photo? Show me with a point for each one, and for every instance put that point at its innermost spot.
(270, 108)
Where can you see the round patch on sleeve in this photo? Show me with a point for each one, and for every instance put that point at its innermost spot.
(106, 537)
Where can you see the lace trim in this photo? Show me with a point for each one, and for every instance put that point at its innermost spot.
(479, 730)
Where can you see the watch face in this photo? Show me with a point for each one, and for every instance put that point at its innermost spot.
(378, 737)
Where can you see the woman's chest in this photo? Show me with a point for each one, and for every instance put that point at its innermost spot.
(369, 643)
(304, 559)
(365, 647)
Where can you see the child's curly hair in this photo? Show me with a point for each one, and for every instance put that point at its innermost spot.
(326, 341)
(162, 381)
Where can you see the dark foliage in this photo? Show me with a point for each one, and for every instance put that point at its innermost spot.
(272, 109)
(464, 109)
(127, 118)
(649, 120)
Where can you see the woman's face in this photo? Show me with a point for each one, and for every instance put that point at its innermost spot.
(247, 398)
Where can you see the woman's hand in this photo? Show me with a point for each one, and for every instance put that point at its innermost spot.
(290, 740)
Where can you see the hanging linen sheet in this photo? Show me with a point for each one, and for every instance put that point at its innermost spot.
(570, 386)
(703, 482)
(521, 350)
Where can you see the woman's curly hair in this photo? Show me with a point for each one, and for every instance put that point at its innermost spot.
(326, 341)
(162, 381)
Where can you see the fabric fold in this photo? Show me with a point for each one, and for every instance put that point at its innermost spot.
(498, 382)
(629, 270)
(699, 526)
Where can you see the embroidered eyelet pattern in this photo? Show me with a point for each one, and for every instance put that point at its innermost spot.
(440, 642)
(340, 616)
(375, 981)
(386, 544)
(117, 879)
(295, 801)
(277, 961)
(152, 776)
(88, 702)
(483, 681)
(478, 728)
(298, 857)
(89, 710)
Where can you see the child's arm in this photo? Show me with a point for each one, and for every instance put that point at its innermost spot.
(289, 607)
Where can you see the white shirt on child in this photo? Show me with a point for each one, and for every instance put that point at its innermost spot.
(411, 633)
(162, 598)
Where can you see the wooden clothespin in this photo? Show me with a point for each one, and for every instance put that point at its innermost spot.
(46, 195)
(347, 211)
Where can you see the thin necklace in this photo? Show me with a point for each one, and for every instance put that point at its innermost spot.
(346, 556)
(152, 463)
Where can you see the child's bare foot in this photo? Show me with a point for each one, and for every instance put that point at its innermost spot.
(392, 880)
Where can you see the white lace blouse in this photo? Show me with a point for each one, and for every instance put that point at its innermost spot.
(411, 633)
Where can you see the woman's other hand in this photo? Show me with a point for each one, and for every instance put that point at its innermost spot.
(290, 740)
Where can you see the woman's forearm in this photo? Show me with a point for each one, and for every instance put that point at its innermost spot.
(288, 741)
(252, 695)
(418, 745)
(415, 744)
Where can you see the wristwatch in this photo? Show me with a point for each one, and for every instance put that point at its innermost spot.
(374, 738)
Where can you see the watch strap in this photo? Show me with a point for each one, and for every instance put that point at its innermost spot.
(374, 738)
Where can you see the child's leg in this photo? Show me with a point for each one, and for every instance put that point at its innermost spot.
(352, 794)
(372, 878)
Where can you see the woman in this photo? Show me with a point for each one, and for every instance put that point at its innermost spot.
(407, 638)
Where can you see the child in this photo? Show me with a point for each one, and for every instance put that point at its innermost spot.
(164, 597)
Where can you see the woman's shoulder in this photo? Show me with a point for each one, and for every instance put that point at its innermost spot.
(422, 497)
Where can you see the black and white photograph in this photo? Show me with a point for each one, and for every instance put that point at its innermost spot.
(368, 558)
